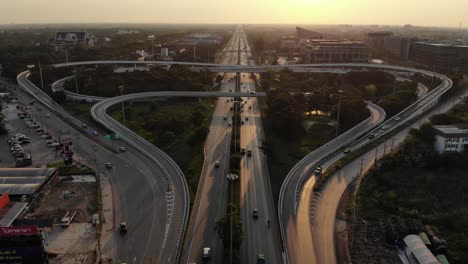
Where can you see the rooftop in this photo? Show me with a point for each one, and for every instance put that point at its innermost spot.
(20, 181)
(452, 130)
(445, 45)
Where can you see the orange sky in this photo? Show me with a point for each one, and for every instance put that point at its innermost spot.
(394, 12)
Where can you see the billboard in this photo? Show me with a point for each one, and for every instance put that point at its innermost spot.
(18, 230)
(21, 244)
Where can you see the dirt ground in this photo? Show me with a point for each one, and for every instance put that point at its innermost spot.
(69, 196)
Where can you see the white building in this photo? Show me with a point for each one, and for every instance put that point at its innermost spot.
(451, 138)
(417, 252)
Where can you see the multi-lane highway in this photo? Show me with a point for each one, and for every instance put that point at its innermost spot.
(298, 224)
(211, 198)
(255, 193)
(255, 190)
(132, 182)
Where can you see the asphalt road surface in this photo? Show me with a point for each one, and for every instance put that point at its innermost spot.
(139, 197)
(211, 198)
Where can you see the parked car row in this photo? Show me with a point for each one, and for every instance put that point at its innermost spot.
(43, 133)
(16, 143)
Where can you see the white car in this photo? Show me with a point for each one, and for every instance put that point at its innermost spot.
(52, 144)
(397, 118)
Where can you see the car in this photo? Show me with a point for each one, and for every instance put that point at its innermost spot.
(242, 110)
(242, 151)
(261, 259)
(217, 164)
(84, 126)
(230, 90)
(371, 136)
(225, 117)
(383, 127)
(123, 227)
(18, 154)
(47, 115)
(397, 118)
(52, 144)
(253, 92)
(249, 153)
(227, 100)
(108, 165)
(48, 136)
(347, 150)
(122, 149)
(246, 118)
(318, 171)
(255, 213)
(250, 107)
(242, 122)
(95, 133)
(229, 123)
(206, 254)
(25, 140)
(48, 141)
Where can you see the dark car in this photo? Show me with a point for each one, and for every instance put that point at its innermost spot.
(255, 213)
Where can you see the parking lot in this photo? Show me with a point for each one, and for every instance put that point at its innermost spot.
(30, 127)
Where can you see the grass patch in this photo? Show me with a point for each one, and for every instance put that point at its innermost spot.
(71, 170)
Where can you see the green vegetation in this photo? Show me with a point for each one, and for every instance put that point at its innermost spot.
(415, 182)
(223, 230)
(71, 170)
(177, 126)
(102, 81)
(21, 47)
(223, 225)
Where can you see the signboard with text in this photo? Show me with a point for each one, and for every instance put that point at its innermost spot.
(18, 230)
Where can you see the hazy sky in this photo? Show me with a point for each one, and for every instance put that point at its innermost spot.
(416, 12)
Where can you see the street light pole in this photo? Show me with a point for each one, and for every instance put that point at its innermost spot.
(338, 115)
(76, 82)
(121, 87)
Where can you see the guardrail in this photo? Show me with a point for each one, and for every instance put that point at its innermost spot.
(135, 140)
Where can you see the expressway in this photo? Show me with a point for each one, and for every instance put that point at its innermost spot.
(151, 229)
(292, 188)
(297, 202)
(211, 197)
(142, 240)
(255, 188)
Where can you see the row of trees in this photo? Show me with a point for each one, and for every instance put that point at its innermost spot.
(102, 81)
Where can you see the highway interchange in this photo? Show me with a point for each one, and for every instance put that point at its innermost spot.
(157, 181)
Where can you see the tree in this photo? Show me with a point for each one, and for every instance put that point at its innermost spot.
(219, 78)
(223, 228)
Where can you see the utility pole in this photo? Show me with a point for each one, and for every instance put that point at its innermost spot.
(338, 115)
(42, 80)
(76, 81)
(66, 55)
(121, 87)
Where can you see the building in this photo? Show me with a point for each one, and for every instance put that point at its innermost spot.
(334, 51)
(202, 39)
(375, 40)
(417, 252)
(399, 46)
(440, 56)
(22, 244)
(303, 33)
(288, 42)
(164, 52)
(451, 138)
(64, 38)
